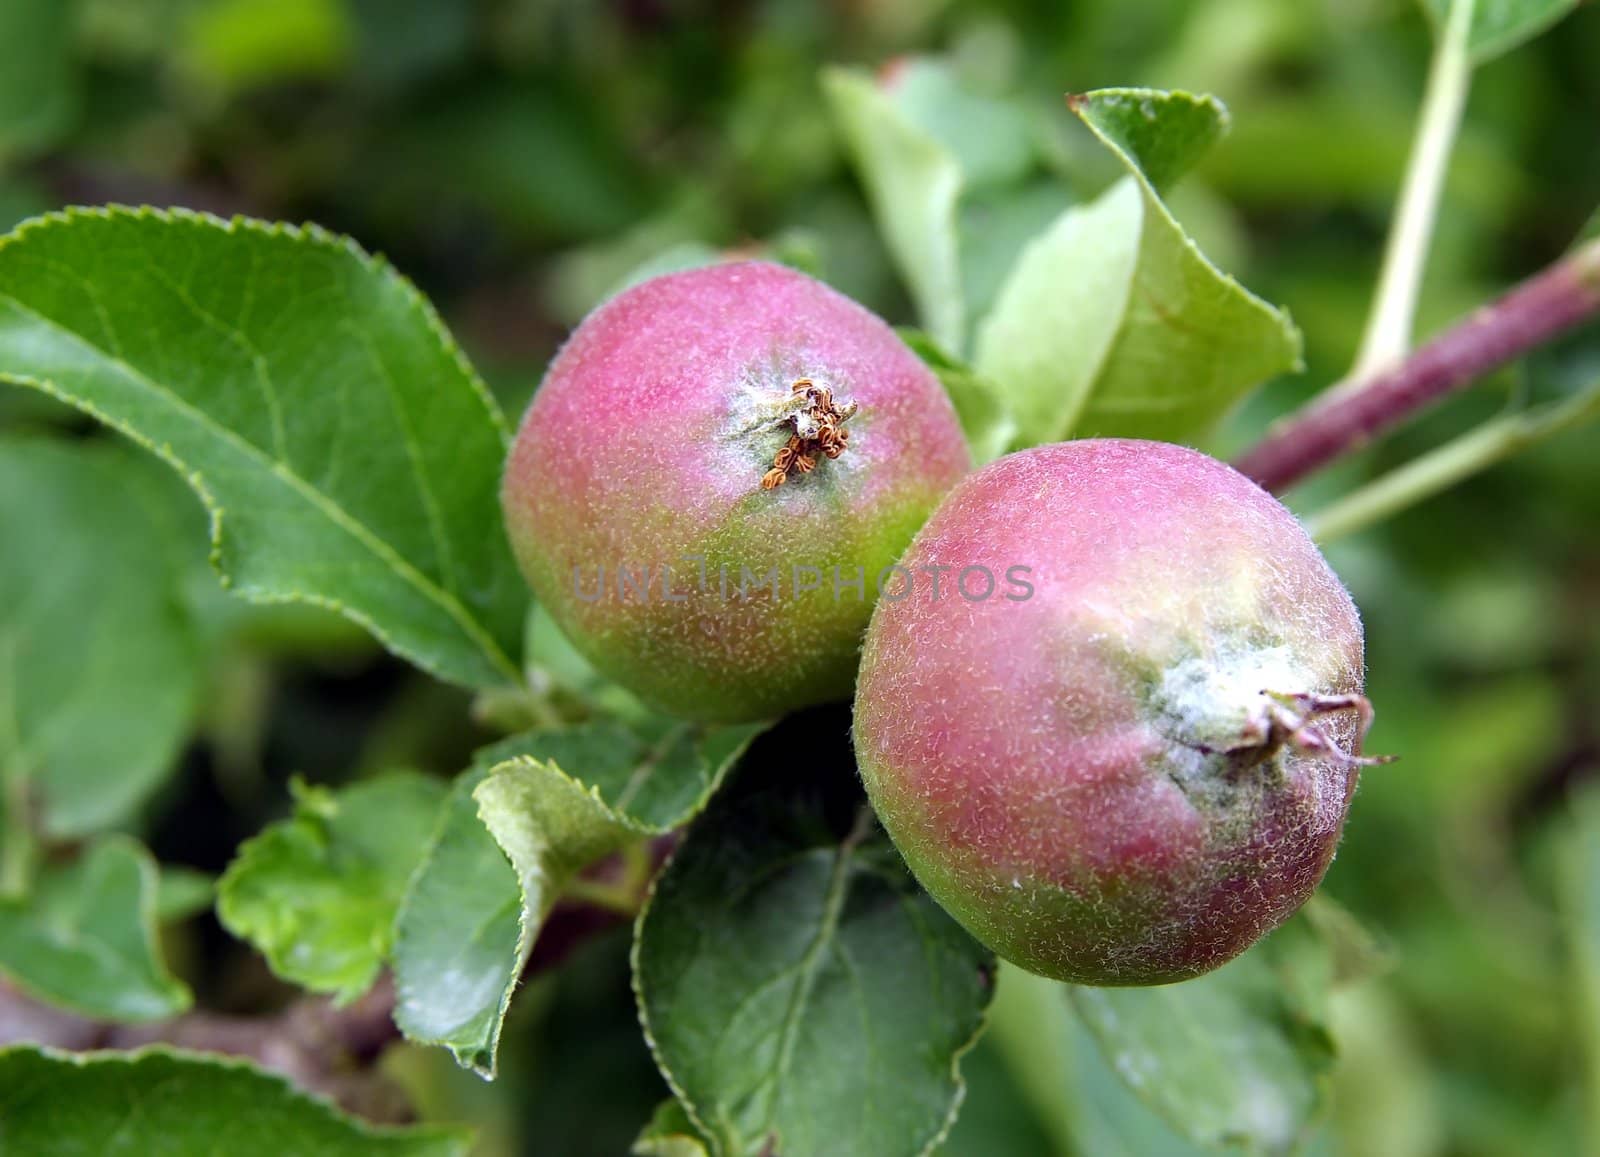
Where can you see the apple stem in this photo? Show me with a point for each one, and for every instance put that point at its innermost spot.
(1347, 417)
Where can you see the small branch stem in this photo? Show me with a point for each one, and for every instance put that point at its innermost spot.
(1534, 313)
(1394, 310)
(323, 1048)
(1440, 469)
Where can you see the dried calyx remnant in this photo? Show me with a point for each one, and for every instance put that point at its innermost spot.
(818, 426)
(1290, 719)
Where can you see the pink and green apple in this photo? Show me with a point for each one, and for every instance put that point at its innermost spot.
(712, 477)
(1135, 761)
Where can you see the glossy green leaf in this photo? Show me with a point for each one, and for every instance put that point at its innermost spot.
(97, 657)
(1112, 321)
(182, 1104)
(348, 454)
(914, 183)
(1234, 1057)
(317, 893)
(456, 948)
(554, 801)
(801, 994)
(38, 88)
(1498, 26)
(84, 938)
(985, 418)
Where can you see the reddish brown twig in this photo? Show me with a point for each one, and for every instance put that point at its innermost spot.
(1536, 312)
(321, 1047)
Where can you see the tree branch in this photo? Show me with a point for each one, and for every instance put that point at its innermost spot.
(1536, 312)
(323, 1048)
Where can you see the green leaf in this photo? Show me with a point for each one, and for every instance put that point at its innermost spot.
(182, 893)
(456, 948)
(98, 664)
(85, 939)
(801, 994)
(1578, 895)
(1498, 26)
(1159, 134)
(348, 454)
(182, 1104)
(670, 1133)
(38, 88)
(554, 801)
(914, 183)
(991, 140)
(986, 420)
(317, 893)
(240, 44)
(1112, 321)
(1108, 1117)
(1234, 1057)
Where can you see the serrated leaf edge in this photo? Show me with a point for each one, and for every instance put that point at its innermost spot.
(713, 1140)
(129, 1058)
(149, 925)
(527, 931)
(492, 1046)
(1152, 197)
(308, 233)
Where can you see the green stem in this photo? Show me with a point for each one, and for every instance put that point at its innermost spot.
(616, 898)
(17, 845)
(624, 895)
(1432, 473)
(1394, 310)
(1543, 308)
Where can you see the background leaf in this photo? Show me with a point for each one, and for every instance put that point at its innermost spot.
(85, 939)
(183, 892)
(1498, 26)
(670, 1133)
(986, 420)
(348, 454)
(801, 994)
(1578, 893)
(97, 657)
(38, 83)
(469, 918)
(1112, 322)
(1232, 1057)
(317, 893)
(182, 1104)
(914, 183)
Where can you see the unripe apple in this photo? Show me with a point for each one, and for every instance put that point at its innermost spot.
(713, 476)
(1134, 757)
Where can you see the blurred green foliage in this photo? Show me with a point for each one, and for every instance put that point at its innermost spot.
(518, 158)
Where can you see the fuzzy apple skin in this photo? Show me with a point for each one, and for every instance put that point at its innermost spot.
(646, 445)
(1053, 769)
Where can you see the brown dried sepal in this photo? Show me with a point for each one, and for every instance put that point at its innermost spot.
(823, 415)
